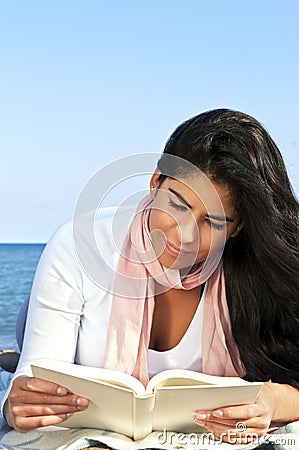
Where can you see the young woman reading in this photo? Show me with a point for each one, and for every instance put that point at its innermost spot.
(213, 267)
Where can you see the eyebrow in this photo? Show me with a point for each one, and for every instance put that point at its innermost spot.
(180, 197)
(220, 218)
(223, 219)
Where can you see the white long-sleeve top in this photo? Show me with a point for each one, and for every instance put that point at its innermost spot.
(69, 312)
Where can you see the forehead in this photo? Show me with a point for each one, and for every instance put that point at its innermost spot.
(198, 191)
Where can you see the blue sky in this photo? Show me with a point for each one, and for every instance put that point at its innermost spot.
(85, 82)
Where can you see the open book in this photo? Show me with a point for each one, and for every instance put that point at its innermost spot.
(120, 402)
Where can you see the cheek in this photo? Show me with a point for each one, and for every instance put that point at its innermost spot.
(159, 224)
(206, 242)
(160, 220)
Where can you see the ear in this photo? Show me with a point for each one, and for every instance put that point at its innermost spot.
(237, 230)
(154, 182)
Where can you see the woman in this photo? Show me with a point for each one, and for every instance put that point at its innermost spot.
(212, 252)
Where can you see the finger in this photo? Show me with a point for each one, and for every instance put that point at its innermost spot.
(46, 399)
(34, 384)
(232, 422)
(233, 434)
(261, 423)
(228, 422)
(44, 410)
(254, 427)
(30, 423)
(202, 414)
(243, 412)
(33, 390)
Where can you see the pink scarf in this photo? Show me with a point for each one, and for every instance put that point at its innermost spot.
(133, 303)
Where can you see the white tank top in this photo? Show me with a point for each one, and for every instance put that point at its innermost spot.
(187, 353)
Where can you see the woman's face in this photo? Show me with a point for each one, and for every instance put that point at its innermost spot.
(182, 222)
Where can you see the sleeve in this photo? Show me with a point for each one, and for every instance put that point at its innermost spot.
(56, 305)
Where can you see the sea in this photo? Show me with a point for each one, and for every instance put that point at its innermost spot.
(18, 263)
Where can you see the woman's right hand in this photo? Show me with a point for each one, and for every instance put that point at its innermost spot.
(33, 403)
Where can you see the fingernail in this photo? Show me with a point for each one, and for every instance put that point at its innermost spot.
(201, 423)
(201, 416)
(218, 413)
(69, 415)
(82, 403)
(61, 391)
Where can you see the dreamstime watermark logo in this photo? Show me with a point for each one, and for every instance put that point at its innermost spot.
(237, 436)
(99, 234)
(241, 427)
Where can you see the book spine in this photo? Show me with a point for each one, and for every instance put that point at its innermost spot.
(143, 407)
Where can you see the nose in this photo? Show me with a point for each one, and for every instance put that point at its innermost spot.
(188, 232)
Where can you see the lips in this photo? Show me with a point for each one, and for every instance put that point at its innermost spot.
(173, 250)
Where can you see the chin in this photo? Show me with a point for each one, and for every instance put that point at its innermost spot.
(177, 263)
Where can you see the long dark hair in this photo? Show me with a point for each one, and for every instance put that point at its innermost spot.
(261, 264)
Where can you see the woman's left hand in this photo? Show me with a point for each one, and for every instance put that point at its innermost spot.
(243, 423)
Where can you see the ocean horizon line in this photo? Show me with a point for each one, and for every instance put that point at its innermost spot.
(23, 243)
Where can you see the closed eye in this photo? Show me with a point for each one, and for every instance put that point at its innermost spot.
(216, 226)
(176, 205)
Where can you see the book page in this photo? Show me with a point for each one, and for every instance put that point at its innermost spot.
(96, 374)
(174, 407)
(183, 377)
(111, 406)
